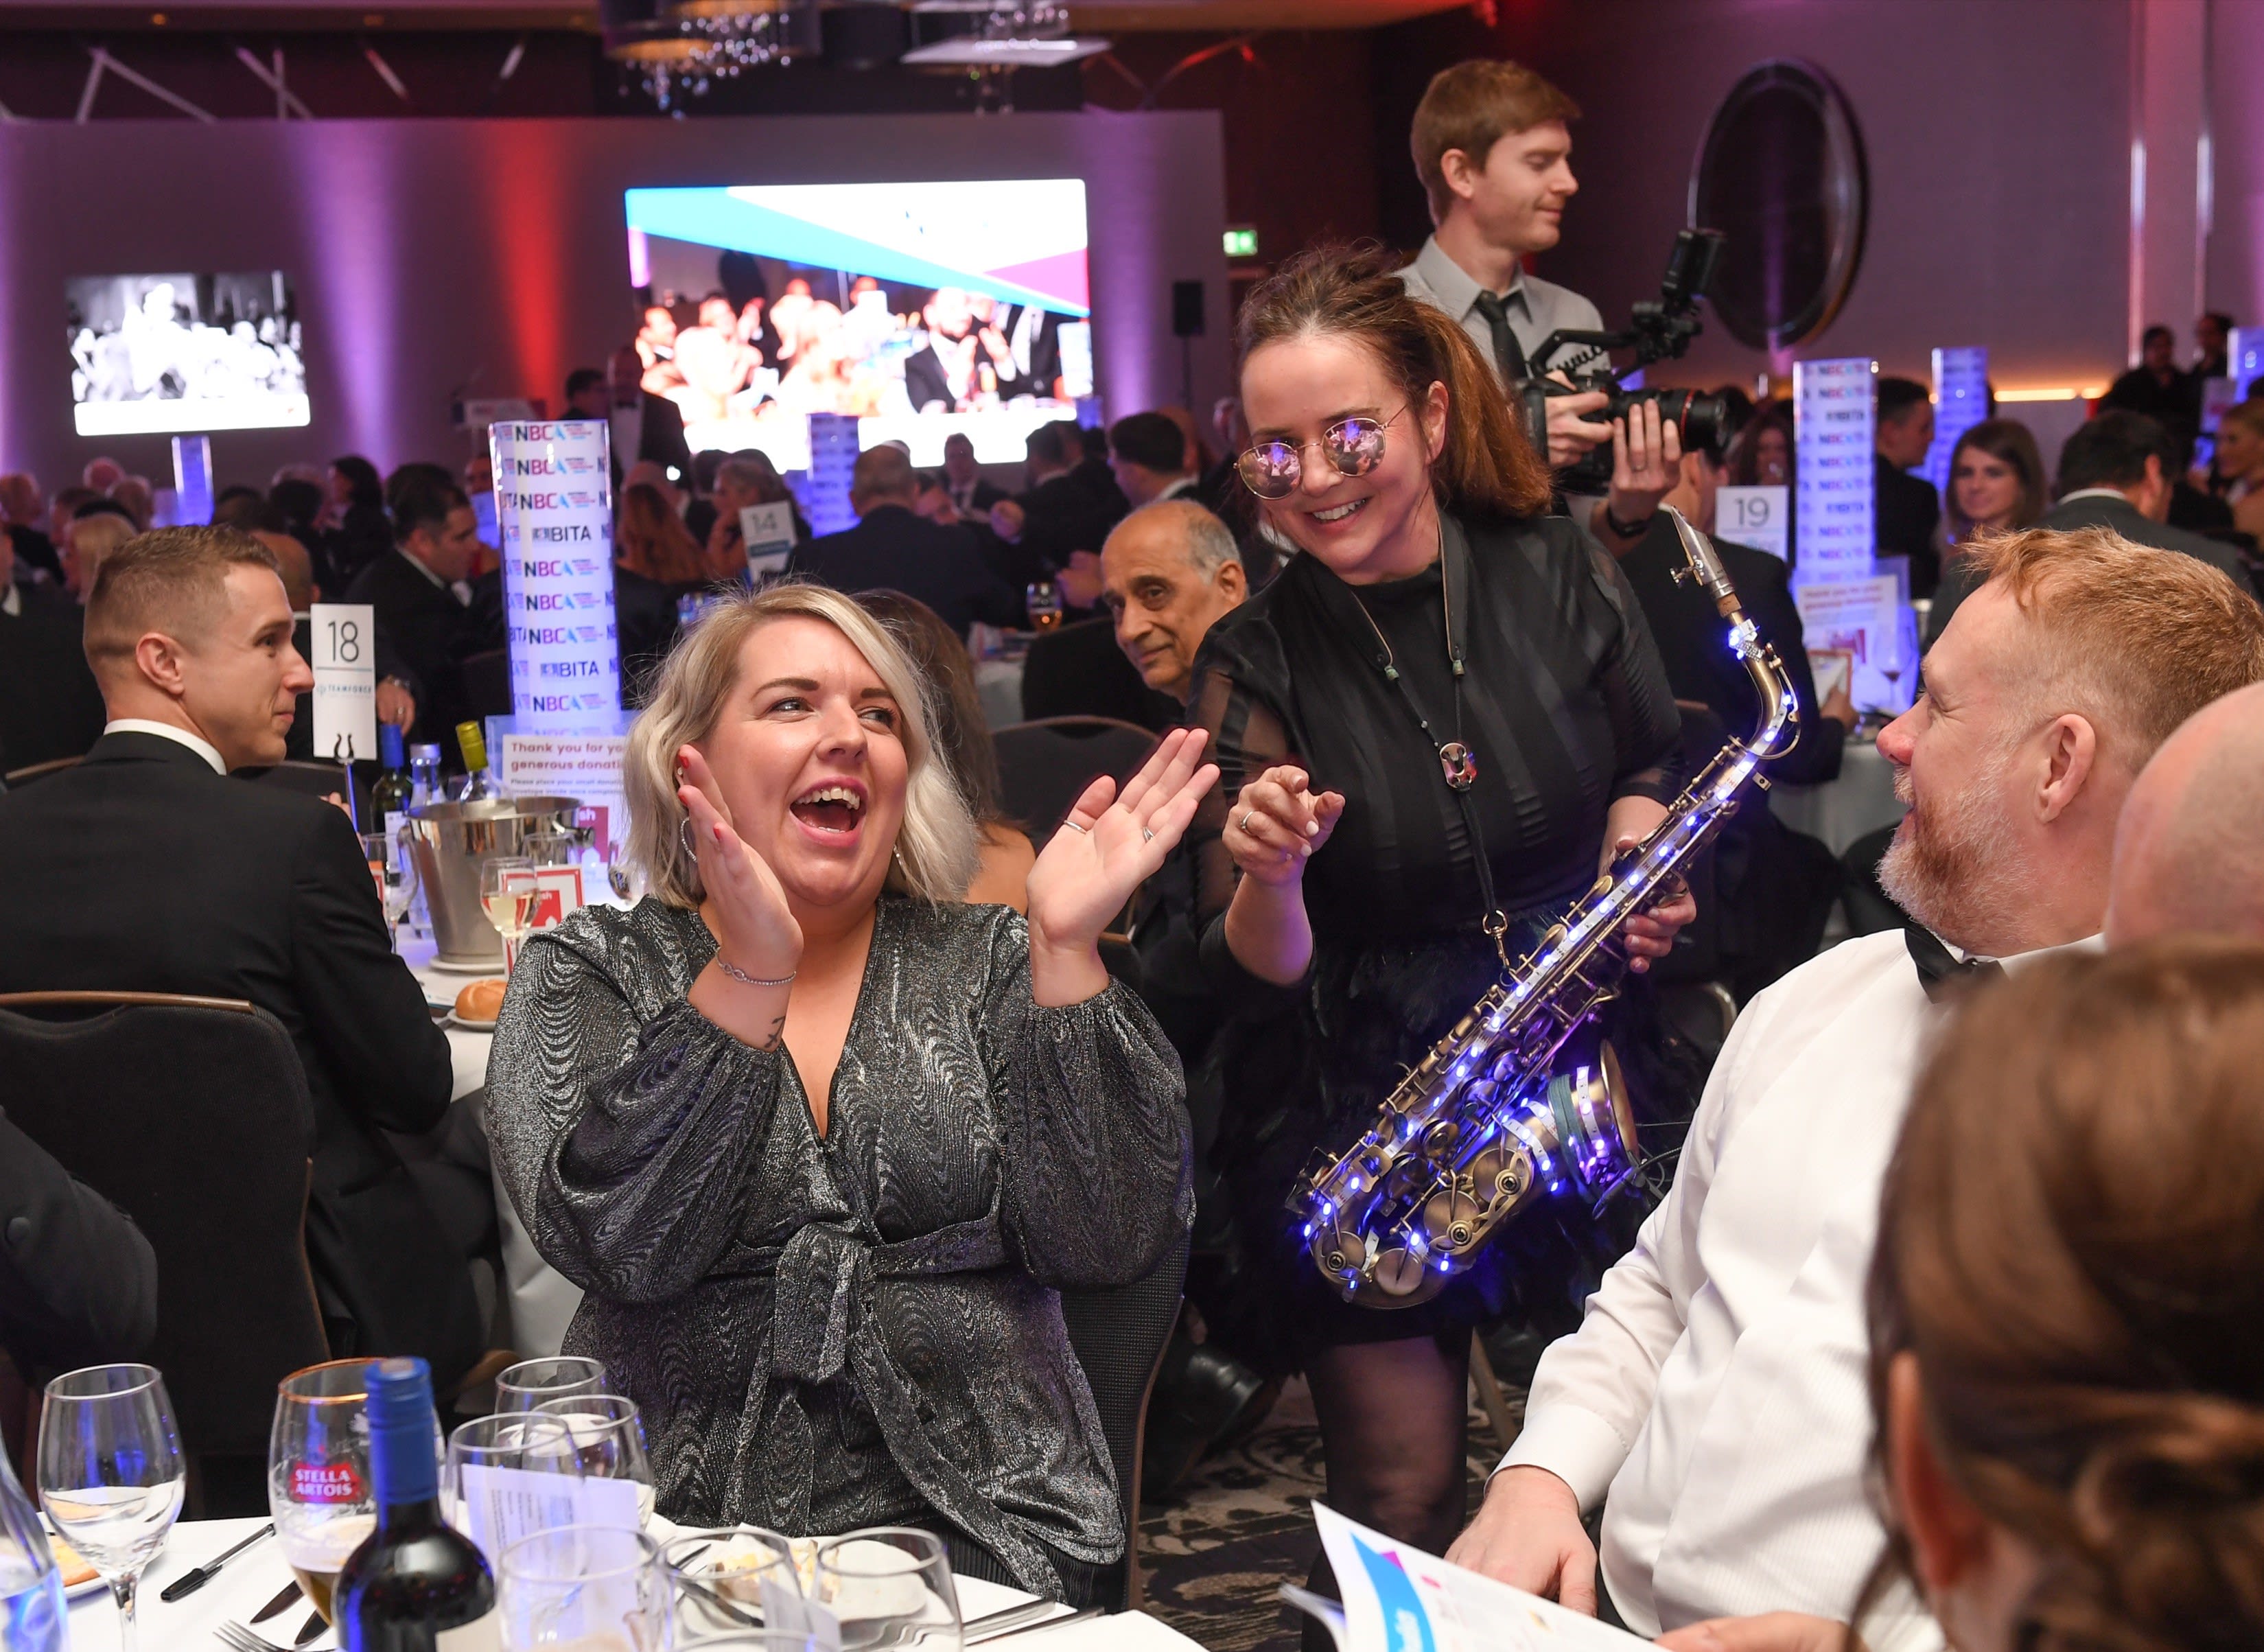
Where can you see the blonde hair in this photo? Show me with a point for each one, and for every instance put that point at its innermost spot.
(2135, 638)
(935, 847)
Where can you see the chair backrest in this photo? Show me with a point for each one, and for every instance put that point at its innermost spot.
(317, 778)
(192, 1116)
(1119, 1334)
(1043, 765)
(17, 777)
(486, 683)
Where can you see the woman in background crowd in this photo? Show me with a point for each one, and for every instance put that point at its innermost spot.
(1997, 482)
(2240, 464)
(1762, 456)
(2068, 1318)
(963, 733)
(360, 531)
(653, 541)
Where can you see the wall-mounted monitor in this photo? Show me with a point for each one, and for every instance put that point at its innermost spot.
(921, 310)
(185, 353)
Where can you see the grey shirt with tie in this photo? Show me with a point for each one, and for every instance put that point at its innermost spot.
(1536, 308)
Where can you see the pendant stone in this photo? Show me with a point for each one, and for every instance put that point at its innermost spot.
(1460, 767)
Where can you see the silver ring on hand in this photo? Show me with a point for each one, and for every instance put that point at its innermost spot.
(1246, 820)
(1146, 836)
(1073, 827)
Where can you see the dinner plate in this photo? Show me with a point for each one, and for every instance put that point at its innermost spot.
(493, 966)
(459, 1022)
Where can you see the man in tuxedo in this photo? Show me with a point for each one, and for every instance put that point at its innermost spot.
(78, 1284)
(423, 597)
(396, 698)
(2116, 471)
(972, 494)
(643, 425)
(1061, 513)
(1907, 506)
(893, 548)
(1148, 454)
(146, 869)
(49, 707)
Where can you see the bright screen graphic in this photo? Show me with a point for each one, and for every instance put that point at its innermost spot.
(920, 309)
(185, 353)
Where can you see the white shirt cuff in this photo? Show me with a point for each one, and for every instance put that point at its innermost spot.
(1577, 1446)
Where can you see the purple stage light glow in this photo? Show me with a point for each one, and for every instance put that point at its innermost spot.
(347, 187)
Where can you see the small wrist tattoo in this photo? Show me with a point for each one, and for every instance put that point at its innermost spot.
(745, 979)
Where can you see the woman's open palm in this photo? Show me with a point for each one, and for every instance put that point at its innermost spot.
(1109, 843)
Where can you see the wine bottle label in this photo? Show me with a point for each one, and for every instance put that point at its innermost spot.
(394, 820)
(484, 1635)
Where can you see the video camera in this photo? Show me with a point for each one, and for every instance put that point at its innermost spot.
(1660, 330)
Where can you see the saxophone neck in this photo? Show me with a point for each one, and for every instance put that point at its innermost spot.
(1779, 724)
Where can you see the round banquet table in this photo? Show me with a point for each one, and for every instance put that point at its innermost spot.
(248, 1582)
(1838, 811)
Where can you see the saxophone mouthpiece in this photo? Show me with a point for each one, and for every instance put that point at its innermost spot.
(1705, 564)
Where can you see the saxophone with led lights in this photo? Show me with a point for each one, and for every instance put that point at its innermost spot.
(1486, 1123)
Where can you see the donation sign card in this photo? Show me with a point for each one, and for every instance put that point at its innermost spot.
(1831, 434)
(345, 681)
(1864, 619)
(554, 512)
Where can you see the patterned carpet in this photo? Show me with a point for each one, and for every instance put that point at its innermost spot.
(1240, 1527)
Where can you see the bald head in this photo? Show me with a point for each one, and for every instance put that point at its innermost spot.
(1168, 573)
(2189, 848)
(881, 476)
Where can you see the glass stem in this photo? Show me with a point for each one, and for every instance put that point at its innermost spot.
(121, 1591)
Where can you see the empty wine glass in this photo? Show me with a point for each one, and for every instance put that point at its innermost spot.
(509, 1476)
(507, 895)
(609, 1436)
(734, 1578)
(524, 1386)
(584, 1586)
(112, 1473)
(318, 1484)
(889, 1586)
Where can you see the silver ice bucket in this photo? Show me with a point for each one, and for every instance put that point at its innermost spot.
(453, 841)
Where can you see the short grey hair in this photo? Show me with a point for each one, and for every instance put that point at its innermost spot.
(936, 846)
(1208, 541)
(751, 474)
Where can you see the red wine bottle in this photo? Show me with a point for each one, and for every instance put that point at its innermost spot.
(416, 1584)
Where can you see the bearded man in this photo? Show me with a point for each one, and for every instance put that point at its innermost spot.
(1715, 1399)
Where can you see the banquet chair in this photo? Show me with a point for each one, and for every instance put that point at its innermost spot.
(313, 777)
(1119, 1334)
(23, 776)
(1043, 765)
(192, 1115)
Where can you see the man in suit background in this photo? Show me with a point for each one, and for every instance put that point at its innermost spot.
(1907, 506)
(2116, 471)
(78, 1284)
(146, 869)
(422, 596)
(2158, 388)
(1149, 457)
(972, 493)
(1059, 513)
(643, 425)
(893, 548)
(49, 706)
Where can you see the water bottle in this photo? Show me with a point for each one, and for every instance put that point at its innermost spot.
(31, 1611)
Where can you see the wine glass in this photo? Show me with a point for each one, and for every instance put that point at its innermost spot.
(318, 1484)
(524, 1386)
(734, 1578)
(609, 1436)
(112, 1473)
(584, 1586)
(507, 895)
(889, 1586)
(394, 868)
(1041, 600)
(509, 1476)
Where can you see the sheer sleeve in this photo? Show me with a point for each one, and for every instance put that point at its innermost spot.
(1247, 737)
(1646, 729)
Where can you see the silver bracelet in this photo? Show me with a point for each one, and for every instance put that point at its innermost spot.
(745, 979)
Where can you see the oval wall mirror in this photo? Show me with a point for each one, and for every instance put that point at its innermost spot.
(1780, 173)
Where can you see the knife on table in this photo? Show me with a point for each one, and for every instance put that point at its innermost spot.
(281, 1602)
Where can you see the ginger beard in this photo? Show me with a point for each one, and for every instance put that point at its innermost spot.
(1953, 864)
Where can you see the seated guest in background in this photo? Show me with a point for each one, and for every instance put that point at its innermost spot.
(298, 500)
(239, 507)
(972, 494)
(66, 504)
(49, 706)
(1762, 456)
(1059, 513)
(22, 509)
(78, 1284)
(2212, 340)
(2189, 854)
(652, 541)
(1736, 1323)
(100, 527)
(1148, 456)
(102, 474)
(802, 1072)
(2114, 472)
(2064, 1398)
(744, 479)
(396, 699)
(963, 738)
(140, 501)
(1132, 666)
(699, 511)
(2239, 463)
(420, 594)
(1908, 507)
(145, 869)
(1997, 482)
(892, 548)
(2156, 390)
(361, 531)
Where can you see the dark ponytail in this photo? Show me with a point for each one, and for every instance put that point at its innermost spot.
(1487, 468)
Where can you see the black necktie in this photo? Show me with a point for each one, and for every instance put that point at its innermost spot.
(1506, 354)
(1942, 971)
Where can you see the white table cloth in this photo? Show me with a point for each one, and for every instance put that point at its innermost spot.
(1838, 811)
(250, 1581)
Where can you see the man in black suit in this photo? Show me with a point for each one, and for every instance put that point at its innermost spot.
(1907, 508)
(1064, 510)
(49, 707)
(893, 548)
(78, 1284)
(2116, 471)
(2159, 391)
(642, 426)
(146, 869)
(423, 598)
(21, 508)
(972, 494)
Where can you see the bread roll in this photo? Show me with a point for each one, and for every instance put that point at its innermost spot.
(482, 1000)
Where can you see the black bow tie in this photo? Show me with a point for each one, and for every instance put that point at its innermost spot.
(1942, 971)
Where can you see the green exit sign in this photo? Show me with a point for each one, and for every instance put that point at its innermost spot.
(1241, 241)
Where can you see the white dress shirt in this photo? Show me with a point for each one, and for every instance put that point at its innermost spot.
(196, 743)
(1536, 308)
(1718, 1387)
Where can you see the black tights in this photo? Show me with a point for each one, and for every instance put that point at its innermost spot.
(1393, 1418)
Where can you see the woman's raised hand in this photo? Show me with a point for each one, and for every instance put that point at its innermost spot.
(745, 907)
(1109, 843)
(1278, 823)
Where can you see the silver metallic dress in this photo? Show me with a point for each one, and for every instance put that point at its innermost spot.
(830, 1332)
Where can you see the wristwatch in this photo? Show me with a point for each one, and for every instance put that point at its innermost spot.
(1626, 530)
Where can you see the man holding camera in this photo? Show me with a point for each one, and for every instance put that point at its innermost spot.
(1494, 153)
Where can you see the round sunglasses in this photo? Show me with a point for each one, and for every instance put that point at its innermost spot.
(1354, 447)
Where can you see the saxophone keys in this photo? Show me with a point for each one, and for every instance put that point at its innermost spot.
(1398, 1273)
(1450, 1220)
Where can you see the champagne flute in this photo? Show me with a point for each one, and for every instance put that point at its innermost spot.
(525, 1386)
(507, 895)
(318, 1484)
(509, 1476)
(112, 1474)
(584, 1586)
(609, 1436)
(889, 1586)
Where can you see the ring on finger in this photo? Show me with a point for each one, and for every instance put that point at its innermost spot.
(1146, 836)
(1246, 820)
(1073, 827)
